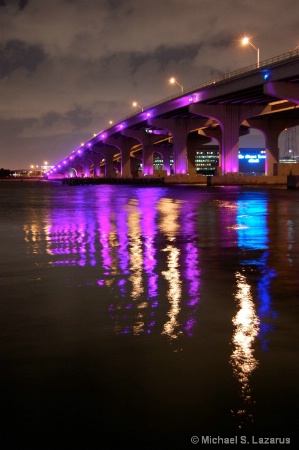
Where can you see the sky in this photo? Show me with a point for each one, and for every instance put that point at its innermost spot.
(68, 67)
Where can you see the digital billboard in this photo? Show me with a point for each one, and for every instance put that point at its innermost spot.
(252, 160)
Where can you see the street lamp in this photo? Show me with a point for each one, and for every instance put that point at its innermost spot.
(246, 41)
(136, 104)
(174, 81)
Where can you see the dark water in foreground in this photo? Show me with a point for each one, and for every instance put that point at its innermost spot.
(136, 318)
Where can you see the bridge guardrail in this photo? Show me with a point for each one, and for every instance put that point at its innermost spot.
(223, 78)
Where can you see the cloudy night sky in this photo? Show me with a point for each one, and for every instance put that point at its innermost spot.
(70, 66)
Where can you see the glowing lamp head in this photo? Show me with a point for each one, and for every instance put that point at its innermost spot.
(245, 40)
(172, 80)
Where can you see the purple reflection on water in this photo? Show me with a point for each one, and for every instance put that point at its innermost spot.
(192, 275)
(148, 210)
(104, 230)
(122, 232)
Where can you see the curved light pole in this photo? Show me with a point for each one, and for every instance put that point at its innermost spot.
(172, 80)
(135, 104)
(246, 41)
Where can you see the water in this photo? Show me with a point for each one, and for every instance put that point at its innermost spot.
(138, 318)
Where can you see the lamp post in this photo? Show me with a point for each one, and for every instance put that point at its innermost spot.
(174, 81)
(135, 104)
(246, 41)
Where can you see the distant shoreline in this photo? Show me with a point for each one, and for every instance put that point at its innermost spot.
(24, 179)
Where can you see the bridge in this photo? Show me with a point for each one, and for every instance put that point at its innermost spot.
(263, 97)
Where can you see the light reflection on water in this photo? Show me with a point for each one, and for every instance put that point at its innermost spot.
(246, 328)
(137, 242)
(164, 253)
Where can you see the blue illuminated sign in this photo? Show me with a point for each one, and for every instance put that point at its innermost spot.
(252, 160)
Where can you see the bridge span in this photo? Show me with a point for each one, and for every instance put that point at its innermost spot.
(264, 97)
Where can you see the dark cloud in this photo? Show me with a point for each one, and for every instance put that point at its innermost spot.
(165, 55)
(16, 54)
(79, 117)
(50, 118)
(21, 3)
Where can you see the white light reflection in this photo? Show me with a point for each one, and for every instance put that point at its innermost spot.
(172, 275)
(246, 323)
(169, 225)
(136, 263)
(291, 240)
(136, 257)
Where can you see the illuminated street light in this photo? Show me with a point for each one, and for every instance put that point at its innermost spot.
(246, 41)
(173, 81)
(110, 122)
(135, 104)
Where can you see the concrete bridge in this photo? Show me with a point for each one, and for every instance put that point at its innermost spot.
(264, 97)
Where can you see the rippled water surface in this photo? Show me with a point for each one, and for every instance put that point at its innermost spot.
(138, 318)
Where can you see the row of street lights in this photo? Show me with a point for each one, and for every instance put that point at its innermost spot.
(245, 41)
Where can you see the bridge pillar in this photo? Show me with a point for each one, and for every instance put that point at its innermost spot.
(79, 169)
(179, 128)
(96, 158)
(166, 153)
(230, 118)
(271, 129)
(109, 171)
(124, 145)
(106, 152)
(147, 141)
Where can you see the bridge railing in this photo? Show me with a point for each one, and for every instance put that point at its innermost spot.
(268, 63)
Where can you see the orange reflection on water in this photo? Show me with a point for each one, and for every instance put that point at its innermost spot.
(246, 323)
(169, 213)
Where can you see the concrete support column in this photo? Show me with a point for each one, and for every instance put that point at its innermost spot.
(229, 118)
(109, 171)
(79, 168)
(271, 129)
(97, 170)
(86, 169)
(124, 145)
(147, 141)
(107, 153)
(96, 158)
(179, 128)
(166, 154)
